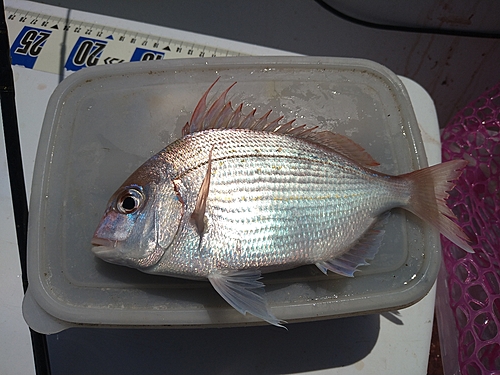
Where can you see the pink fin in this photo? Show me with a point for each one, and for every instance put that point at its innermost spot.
(344, 146)
(243, 290)
(428, 199)
(202, 118)
(221, 115)
(198, 112)
(363, 250)
(198, 215)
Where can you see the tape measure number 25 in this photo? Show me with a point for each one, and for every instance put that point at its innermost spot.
(48, 43)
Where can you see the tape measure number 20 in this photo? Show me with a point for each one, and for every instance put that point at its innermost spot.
(48, 43)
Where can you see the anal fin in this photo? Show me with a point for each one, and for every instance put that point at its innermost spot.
(243, 291)
(363, 250)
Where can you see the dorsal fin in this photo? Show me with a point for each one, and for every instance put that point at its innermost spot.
(221, 115)
(344, 146)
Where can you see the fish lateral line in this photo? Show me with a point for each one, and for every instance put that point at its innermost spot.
(279, 155)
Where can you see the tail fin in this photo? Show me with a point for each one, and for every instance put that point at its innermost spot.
(428, 199)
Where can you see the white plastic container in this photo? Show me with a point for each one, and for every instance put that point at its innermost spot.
(103, 122)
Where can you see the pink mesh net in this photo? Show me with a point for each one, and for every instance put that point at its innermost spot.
(474, 279)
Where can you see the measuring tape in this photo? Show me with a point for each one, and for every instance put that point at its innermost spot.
(50, 44)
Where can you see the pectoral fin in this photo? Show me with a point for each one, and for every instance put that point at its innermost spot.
(198, 215)
(365, 249)
(243, 290)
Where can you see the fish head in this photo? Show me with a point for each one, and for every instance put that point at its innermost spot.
(141, 220)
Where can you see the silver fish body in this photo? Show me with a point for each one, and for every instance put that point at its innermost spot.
(238, 196)
(272, 202)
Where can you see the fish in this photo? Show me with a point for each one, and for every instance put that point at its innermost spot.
(239, 195)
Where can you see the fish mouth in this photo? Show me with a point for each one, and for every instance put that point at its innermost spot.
(105, 249)
(98, 242)
(109, 251)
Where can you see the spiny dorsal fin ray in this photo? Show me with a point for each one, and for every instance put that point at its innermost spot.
(198, 113)
(221, 115)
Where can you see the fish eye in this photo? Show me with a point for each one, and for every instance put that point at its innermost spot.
(129, 201)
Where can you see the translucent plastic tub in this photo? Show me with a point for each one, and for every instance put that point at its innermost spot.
(103, 122)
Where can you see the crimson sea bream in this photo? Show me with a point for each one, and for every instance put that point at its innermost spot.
(239, 195)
